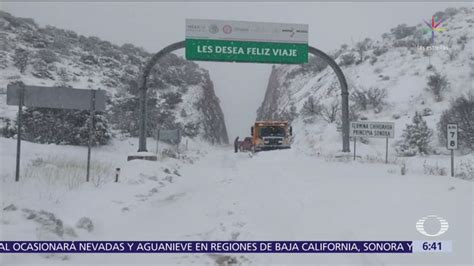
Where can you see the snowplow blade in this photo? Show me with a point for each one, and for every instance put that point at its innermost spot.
(271, 147)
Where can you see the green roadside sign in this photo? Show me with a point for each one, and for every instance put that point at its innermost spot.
(244, 51)
(238, 41)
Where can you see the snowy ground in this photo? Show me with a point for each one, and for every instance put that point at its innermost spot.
(214, 194)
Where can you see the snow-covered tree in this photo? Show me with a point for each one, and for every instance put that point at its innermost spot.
(20, 59)
(47, 56)
(124, 112)
(8, 128)
(171, 99)
(60, 126)
(3, 60)
(183, 113)
(191, 129)
(461, 112)
(416, 137)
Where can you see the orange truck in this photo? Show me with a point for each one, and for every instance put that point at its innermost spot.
(271, 135)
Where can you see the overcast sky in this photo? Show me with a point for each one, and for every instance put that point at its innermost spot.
(240, 87)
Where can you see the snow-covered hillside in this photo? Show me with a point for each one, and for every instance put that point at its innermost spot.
(399, 64)
(181, 93)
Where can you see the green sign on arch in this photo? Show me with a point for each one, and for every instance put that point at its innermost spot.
(243, 51)
(238, 41)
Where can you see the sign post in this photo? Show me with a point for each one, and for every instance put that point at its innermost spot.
(91, 126)
(355, 140)
(452, 142)
(157, 138)
(178, 141)
(372, 130)
(54, 97)
(18, 137)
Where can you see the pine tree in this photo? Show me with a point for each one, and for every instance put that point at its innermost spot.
(61, 126)
(461, 112)
(416, 136)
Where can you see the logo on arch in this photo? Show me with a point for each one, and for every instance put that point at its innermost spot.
(227, 29)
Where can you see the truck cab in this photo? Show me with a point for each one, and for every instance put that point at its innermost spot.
(271, 135)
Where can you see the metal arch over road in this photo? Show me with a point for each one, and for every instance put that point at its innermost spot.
(143, 90)
(182, 44)
(344, 94)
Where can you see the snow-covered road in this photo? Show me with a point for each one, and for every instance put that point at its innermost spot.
(278, 195)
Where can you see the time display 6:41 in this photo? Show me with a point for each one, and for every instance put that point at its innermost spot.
(440, 246)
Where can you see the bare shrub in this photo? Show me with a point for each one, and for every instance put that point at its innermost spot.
(289, 114)
(434, 169)
(401, 31)
(380, 50)
(347, 60)
(359, 97)
(403, 169)
(373, 60)
(63, 77)
(362, 47)
(376, 96)
(61, 172)
(329, 112)
(21, 59)
(462, 40)
(369, 98)
(438, 84)
(466, 170)
(86, 224)
(311, 107)
(452, 53)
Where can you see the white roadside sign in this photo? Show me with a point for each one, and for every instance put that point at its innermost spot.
(372, 129)
(246, 31)
(452, 136)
